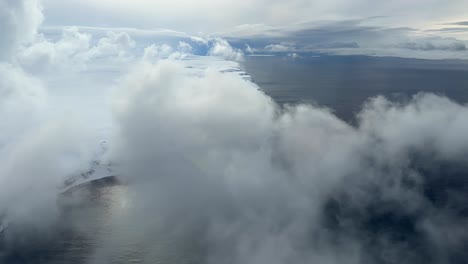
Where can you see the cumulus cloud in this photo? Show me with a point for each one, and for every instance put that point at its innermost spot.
(65, 53)
(283, 47)
(113, 45)
(222, 48)
(215, 159)
(74, 50)
(155, 52)
(336, 25)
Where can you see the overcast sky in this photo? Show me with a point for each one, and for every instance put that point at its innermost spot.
(209, 16)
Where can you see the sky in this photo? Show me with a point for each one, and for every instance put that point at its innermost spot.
(203, 150)
(420, 29)
(213, 16)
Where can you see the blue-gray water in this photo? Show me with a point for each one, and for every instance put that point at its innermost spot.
(88, 232)
(344, 83)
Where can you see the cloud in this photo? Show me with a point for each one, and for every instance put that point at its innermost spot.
(19, 21)
(22, 98)
(199, 40)
(349, 37)
(113, 45)
(221, 48)
(74, 51)
(249, 49)
(154, 52)
(284, 47)
(67, 52)
(213, 16)
(459, 23)
(34, 167)
(184, 47)
(211, 159)
(37, 151)
(36, 147)
(435, 44)
(293, 56)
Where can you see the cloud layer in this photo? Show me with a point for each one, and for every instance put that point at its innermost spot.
(210, 16)
(213, 157)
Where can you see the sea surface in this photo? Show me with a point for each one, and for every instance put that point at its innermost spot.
(344, 83)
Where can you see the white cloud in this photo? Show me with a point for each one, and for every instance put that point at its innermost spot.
(37, 151)
(249, 49)
(283, 47)
(199, 40)
(212, 154)
(113, 45)
(74, 50)
(36, 147)
(221, 48)
(23, 98)
(184, 47)
(33, 167)
(155, 52)
(66, 53)
(19, 21)
(293, 56)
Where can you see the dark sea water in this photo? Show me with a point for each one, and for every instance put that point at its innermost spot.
(344, 83)
(88, 230)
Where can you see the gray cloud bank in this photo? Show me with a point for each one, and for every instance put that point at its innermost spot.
(459, 23)
(352, 37)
